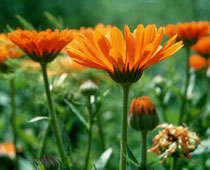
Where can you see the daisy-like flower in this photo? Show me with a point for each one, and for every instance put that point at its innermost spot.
(123, 57)
(7, 149)
(197, 62)
(175, 141)
(41, 47)
(202, 47)
(189, 32)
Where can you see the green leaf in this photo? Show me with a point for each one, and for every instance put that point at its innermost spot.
(77, 113)
(102, 161)
(132, 161)
(9, 28)
(204, 149)
(25, 23)
(56, 22)
(38, 118)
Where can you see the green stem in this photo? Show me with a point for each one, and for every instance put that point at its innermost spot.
(87, 158)
(144, 150)
(53, 117)
(13, 121)
(184, 97)
(124, 127)
(101, 134)
(43, 141)
(163, 106)
(173, 163)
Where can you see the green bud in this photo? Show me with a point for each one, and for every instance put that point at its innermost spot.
(49, 163)
(88, 88)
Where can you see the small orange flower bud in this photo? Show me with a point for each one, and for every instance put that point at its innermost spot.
(197, 62)
(143, 114)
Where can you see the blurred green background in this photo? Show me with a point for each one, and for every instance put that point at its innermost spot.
(74, 14)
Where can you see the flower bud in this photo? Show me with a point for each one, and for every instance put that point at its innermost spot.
(49, 163)
(143, 114)
(88, 88)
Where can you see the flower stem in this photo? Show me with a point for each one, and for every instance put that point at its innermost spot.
(100, 131)
(144, 150)
(43, 141)
(184, 97)
(87, 158)
(13, 121)
(173, 163)
(53, 117)
(124, 127)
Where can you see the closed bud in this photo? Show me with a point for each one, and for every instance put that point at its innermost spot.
(143, 116)
(88, 88)
(49, 163)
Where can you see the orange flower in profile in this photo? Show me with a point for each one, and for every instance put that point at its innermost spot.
(189, 32)
(7, 149)
(41, 47)
(203, 47)
(123, 57)
(197, 62)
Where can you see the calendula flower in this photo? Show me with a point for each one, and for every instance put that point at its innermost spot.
(203, 47)
(175, 141)
(123, 57)
(41, 47)
(197, 62)
(8, 49)
(189, 32)
(7, 149)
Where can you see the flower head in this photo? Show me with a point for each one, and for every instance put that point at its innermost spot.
(8, 49)
(7, 149)
(123, 57)
(41, 47)
(174, 141)
(143, 114)
(197, 62)
(203, 47)
(189, 32)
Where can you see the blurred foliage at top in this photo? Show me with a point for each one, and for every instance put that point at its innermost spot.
(115, 12)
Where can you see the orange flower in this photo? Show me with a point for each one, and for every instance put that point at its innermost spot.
(142, 105)
(7, 48)
(189, 32)
(124, 58)
(197, 62)
(174, 141)
(41, 47)
(203, 47)
(65, 64)
(7, 149)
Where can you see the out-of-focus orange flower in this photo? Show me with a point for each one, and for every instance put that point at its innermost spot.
(123, 57)
(41, 47)
(7, 48)
(197, 62)
(7, 149)
(203, 47)
(175, 141)
(66, 65)
(189, 32)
